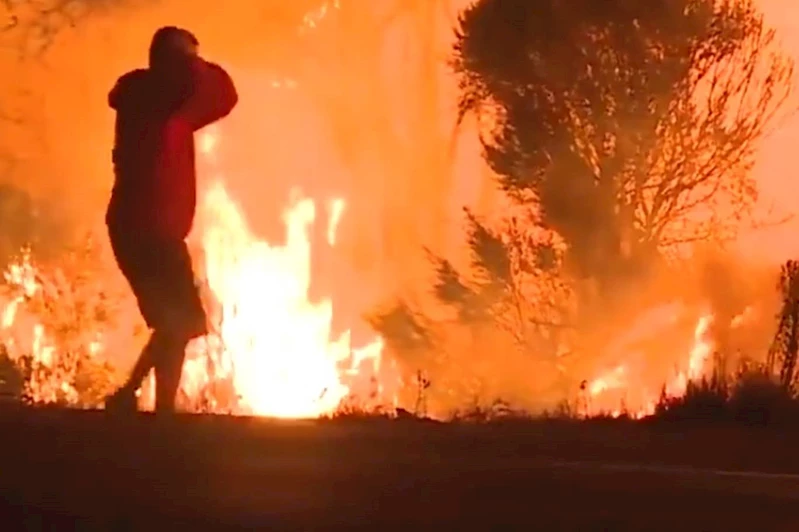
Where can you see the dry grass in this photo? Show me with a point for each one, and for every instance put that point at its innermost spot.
(72, 307)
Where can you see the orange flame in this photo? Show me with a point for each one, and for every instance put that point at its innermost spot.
(273, 343)
(695, 367)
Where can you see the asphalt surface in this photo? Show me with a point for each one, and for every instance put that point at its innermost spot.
(67, 470)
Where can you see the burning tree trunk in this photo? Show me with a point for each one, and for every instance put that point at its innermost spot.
(786, 341)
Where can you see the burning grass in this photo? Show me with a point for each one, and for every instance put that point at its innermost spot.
(752, 397)
(54, 321)
(58, 321)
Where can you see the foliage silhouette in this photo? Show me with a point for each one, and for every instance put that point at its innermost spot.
(631, 125)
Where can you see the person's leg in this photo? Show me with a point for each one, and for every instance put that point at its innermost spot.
(143, 365)
(168, 369)
(124, 399)
(128, 251)
(171, 305)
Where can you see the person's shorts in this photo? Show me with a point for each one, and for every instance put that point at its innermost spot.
(162, 279)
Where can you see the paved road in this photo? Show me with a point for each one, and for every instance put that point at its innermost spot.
(62, 468)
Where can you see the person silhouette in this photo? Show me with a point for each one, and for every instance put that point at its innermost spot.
(152, 205)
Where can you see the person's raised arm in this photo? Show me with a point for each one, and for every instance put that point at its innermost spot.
(213, 95)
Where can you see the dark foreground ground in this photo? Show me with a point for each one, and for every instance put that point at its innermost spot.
(64, 470)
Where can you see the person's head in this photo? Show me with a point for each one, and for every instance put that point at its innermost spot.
(171, 47)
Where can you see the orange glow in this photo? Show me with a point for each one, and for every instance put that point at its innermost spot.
(638, 393)
(349, 115)
(275, 344)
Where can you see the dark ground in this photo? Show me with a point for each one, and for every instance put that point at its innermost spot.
(67, 470)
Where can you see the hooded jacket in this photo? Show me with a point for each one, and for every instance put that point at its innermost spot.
(155, 181)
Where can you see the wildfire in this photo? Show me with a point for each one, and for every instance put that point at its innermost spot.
(276, 342)
(272, 352)
(630, 389)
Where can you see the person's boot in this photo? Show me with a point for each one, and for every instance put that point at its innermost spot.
(123, 401)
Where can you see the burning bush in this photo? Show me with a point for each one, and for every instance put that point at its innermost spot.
(53, 326)
(764, 390)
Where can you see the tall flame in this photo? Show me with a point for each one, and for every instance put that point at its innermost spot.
(275, 344)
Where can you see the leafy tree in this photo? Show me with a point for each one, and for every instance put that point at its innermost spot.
(631, 126)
